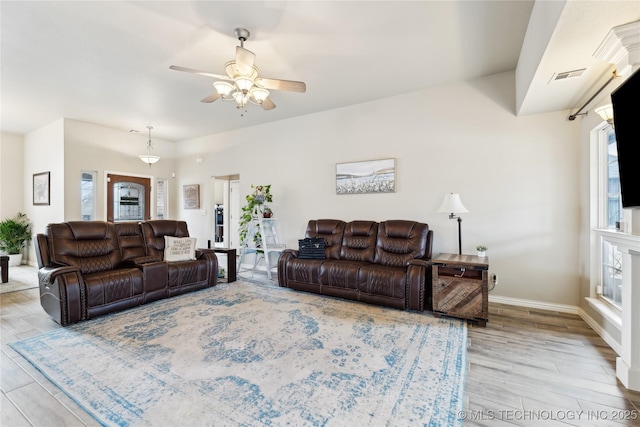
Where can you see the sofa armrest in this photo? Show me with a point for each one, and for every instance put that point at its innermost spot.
(140, 260)
(418, 283)
(285, 256)
(62, 293)
(211, 259)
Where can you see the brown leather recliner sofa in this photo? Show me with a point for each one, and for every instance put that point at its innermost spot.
(91, 268)
(386, 263)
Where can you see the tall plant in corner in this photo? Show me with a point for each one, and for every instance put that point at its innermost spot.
(256, 200)
(15, 233)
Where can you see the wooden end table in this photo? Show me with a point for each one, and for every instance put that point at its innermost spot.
(461, 287)
(231, 261)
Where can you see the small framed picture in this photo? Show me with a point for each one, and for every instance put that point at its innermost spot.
(41, 187)
(191, 196)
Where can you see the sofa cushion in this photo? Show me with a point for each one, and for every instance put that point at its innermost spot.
(359, 241)
(304, 270)
(179, 248)
(92, 246)
(181, 274)
(375, 279)
(110, 286)
(332, 231)
(400, 241)
(341, 274)
(130, 240)
(154, 231)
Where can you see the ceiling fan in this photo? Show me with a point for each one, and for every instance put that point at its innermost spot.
(242, 84)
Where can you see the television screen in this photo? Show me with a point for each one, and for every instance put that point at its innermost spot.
(626, 121)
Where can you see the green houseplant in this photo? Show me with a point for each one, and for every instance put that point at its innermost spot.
(482, 250)
(15, 234)
(253, 209)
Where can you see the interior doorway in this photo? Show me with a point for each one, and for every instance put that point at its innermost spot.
(128, 198)
(226, 209)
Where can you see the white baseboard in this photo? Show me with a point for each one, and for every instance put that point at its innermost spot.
(615, 345)
(563, 308)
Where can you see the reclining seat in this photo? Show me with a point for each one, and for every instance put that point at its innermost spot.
(397, 276)
(304, 274)
(81, 274)
(182, 276)
(341, 277)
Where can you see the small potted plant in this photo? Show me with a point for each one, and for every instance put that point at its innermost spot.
(15, 234)
(482, 251)
(267, 212)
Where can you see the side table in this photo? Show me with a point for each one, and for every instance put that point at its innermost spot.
(461, 287)
(231, 261)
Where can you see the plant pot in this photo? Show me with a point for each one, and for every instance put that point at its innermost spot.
(15, 260)
(482, 254)
(267, 215)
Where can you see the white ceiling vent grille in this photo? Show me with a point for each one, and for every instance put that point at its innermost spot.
(567, 75)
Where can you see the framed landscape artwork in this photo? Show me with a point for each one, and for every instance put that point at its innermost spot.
(41, 187)
(191, 196)
(372, 176)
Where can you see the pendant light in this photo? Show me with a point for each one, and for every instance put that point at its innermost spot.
(149, 158)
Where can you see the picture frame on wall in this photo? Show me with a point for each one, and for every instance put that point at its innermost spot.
(41, 188)
(371, 176)
(191, 196)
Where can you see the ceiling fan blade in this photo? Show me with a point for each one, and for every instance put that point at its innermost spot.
(201, 73)
(268, 104)
(275, 84)
(244, 60)
(213, 97)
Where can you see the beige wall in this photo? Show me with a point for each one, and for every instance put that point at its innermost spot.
(516, 175)
(11, 173)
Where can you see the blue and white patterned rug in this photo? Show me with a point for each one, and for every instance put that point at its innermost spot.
(244, 354)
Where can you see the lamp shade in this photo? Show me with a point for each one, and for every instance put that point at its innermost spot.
(606, 112)
(149, 159)
(224, 89)
(452, 204)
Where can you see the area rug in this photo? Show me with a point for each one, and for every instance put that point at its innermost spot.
(243, 354)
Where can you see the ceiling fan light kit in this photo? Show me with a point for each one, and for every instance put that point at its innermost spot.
(242, 84)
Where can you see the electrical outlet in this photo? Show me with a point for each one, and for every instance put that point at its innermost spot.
(494, 279)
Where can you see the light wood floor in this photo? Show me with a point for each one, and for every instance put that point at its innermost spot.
(527, 367)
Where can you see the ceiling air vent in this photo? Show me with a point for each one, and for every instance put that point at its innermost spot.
(568, 74)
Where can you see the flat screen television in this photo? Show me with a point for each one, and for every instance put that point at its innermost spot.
(626, 121)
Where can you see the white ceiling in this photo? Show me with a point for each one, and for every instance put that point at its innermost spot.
(108, 62)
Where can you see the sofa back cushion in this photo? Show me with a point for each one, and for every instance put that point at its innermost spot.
(359, 241)
(400, 241)
(332, 231)
(91, 246)
(154, 231)
(130, 240)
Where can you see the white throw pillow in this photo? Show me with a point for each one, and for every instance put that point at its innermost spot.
(179, 248)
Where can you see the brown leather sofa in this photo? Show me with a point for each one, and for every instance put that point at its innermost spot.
(91, 268)
(386, 263)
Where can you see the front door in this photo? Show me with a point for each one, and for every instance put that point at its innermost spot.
(128, 198)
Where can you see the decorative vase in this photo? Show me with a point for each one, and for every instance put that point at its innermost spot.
(15, 260)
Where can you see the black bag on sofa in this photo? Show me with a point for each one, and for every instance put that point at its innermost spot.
(311, 248)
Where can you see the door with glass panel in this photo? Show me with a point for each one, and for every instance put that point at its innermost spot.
(128, 198)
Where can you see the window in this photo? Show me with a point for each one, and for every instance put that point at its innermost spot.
(88, 195)
(612, 273)
(162, 208)
(610, 213)
(613, 206)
